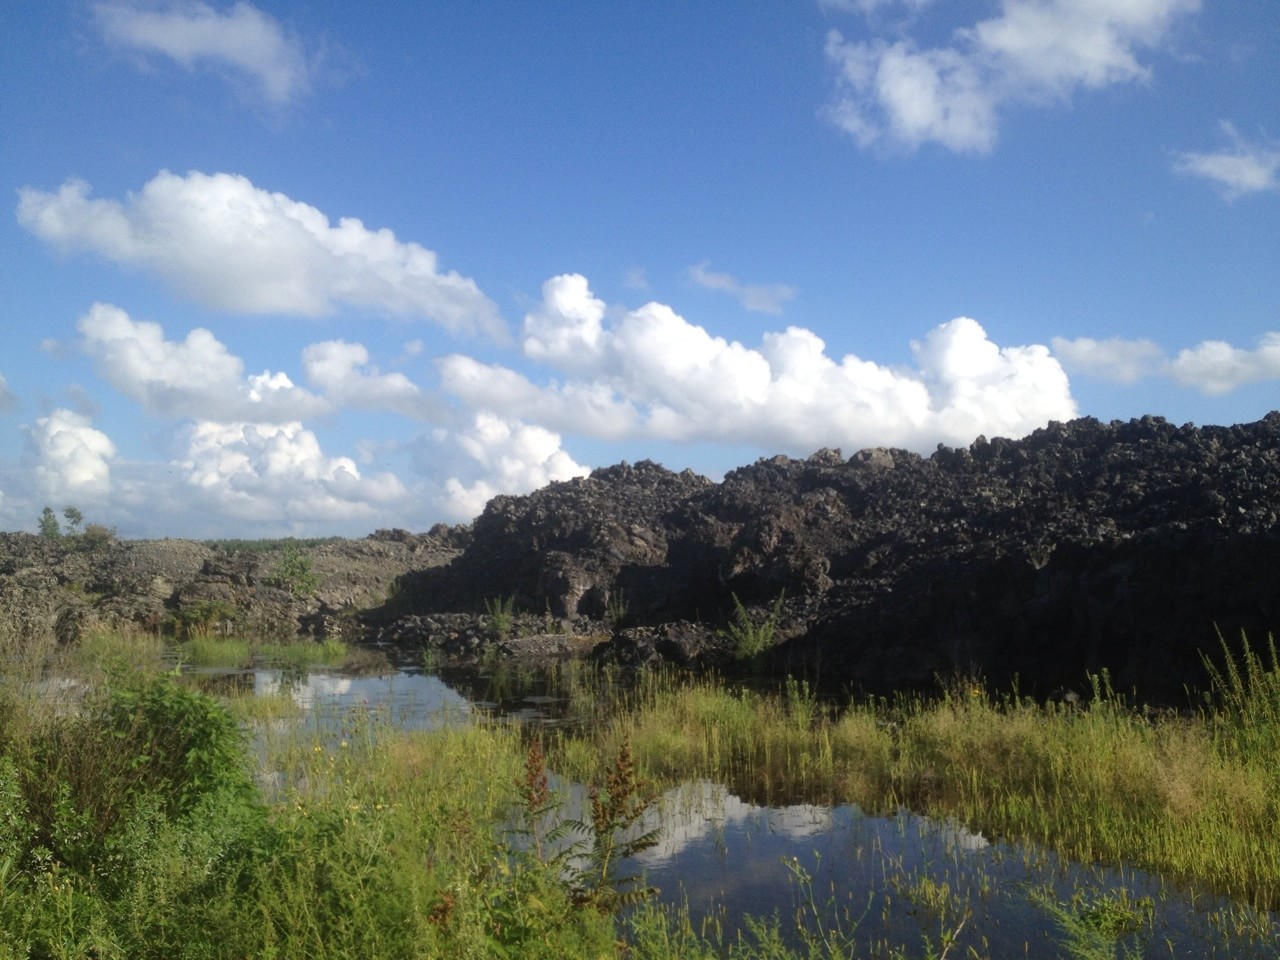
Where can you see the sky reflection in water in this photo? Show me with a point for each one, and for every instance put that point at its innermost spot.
(896, 880)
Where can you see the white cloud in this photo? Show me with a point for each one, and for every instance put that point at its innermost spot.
(1211, 366)
(242, 40)
(7, 399)
(654, 374)
(1116, 359)
(232, 246)
(342, 370)
(278, 472)
(495, 455)
(196, 377)
(72, 458)
(758, 298)
(870, 7)
(635, 279)
(1035, 51)
(1242, 168)
(1215, 367)
(565, 329)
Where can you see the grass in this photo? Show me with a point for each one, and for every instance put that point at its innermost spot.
(132, 825)
(1196, 799)
(229, 652)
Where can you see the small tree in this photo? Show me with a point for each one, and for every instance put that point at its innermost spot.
(74, 519)
(294, 573)
(49, 528)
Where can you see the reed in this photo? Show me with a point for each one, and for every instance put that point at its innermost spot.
(1195, 798)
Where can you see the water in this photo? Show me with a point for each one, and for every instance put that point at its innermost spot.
(884, 882)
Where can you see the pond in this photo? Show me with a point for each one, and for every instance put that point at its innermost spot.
(880, 882)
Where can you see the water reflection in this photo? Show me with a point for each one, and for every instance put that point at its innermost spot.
(898, 880)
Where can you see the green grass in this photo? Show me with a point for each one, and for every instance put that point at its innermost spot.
(232, 652)
(1196, 799)
(132, 825)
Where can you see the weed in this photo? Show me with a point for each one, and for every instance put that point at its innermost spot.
(501, 613)
(1094, 928)
(749, 635)
(615, 610)
(200, 618)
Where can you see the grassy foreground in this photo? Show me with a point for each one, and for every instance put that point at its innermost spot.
(1195, 798)
(136, 824)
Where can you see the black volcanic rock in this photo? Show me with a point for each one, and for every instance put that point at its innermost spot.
(1081, 547)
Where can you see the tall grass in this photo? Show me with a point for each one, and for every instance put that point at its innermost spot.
(131, 826)
(1196, 798)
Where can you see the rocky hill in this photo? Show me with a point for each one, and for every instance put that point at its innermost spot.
(67, 585)
(1084, 546)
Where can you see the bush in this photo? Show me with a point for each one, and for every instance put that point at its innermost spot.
(294, 573)
(752, 637)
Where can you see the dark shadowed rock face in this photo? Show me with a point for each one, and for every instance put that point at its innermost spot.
(1083, 546)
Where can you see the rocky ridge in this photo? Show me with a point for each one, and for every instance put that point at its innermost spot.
(65, 586)
(1083, 546)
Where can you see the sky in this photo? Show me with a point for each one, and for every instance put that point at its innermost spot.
(302, 269)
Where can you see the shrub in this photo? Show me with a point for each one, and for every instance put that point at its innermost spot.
(752, 637)
(197, 619)
(294, 573)
(501, 613)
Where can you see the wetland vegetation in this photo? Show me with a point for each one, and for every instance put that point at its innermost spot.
(141, 817)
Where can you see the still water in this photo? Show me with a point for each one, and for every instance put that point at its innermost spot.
(879, 883)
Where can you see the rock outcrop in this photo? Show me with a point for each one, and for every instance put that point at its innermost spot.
(64, 586)
(1084, 546)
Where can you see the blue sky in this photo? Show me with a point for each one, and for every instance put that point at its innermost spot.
(277, 268)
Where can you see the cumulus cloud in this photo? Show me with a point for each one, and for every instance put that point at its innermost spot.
(8, 401)
(565, 329)
(242, 40)
(72, 458)
(1116, 359)
(653, 374)
(758, 298)
(1215, 367)
(1035, 51)
(342, 370)
(494, 455)
(196, 377)
(278, 472)
(1211, 366)
(1241, 168)
(229, 245)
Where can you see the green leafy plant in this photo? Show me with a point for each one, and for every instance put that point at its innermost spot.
(749, 635)
(1244, 699)
(617, 809)
(96, 535)
(1095, 928)
(294, 573)
(197, 619)
(501, 611)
